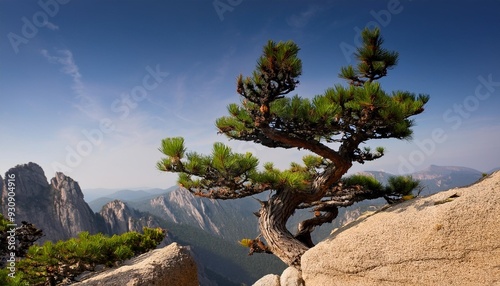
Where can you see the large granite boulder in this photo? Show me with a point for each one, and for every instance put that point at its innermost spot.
(168, 266)
(450, 238)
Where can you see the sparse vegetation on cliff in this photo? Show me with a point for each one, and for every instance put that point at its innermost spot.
(52, 263)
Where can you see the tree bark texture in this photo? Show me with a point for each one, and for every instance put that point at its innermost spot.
(273, 216)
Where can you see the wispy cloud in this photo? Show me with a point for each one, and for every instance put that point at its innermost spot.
(69, 67)
(302, 19)
(85, 103)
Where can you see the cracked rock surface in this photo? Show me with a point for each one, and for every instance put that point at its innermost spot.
(450, 238)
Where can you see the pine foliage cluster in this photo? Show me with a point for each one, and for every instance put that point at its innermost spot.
(343, 115)
(356, 113)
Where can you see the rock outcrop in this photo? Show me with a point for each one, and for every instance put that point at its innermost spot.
(168, 266)
(450, 238)
(70, 208)
(119, 218)
(57, 208)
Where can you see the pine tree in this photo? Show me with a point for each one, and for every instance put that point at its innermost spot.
(332, 126)
(25, 236)
(51, 263)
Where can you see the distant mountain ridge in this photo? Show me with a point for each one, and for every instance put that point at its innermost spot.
(126, 196)
(437, 178)
(123, 194)
(493, 170)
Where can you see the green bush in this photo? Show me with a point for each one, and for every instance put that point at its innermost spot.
(51, 263)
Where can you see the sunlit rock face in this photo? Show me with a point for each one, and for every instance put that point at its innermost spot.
(167, 266)
(57, 208)
(119, 218)
(450, 238)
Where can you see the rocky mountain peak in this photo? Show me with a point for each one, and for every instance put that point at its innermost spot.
(59, 209)
(67, 186)
(56, 208)
(30, 180)
(181, 205)
(119, 218)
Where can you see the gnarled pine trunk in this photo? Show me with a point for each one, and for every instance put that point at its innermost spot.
(273, 216)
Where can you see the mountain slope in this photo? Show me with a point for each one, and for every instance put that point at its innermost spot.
(231, 220)
(59, 210)
(97, 204)
(234, 219)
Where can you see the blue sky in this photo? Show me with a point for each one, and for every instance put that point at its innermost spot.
(91, 87)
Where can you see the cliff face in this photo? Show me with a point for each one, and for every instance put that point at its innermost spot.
(48, 207)
(59, 209)
(448, 238)
(182, 206)
(119, 218)
(70, 209)
(227, 219)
